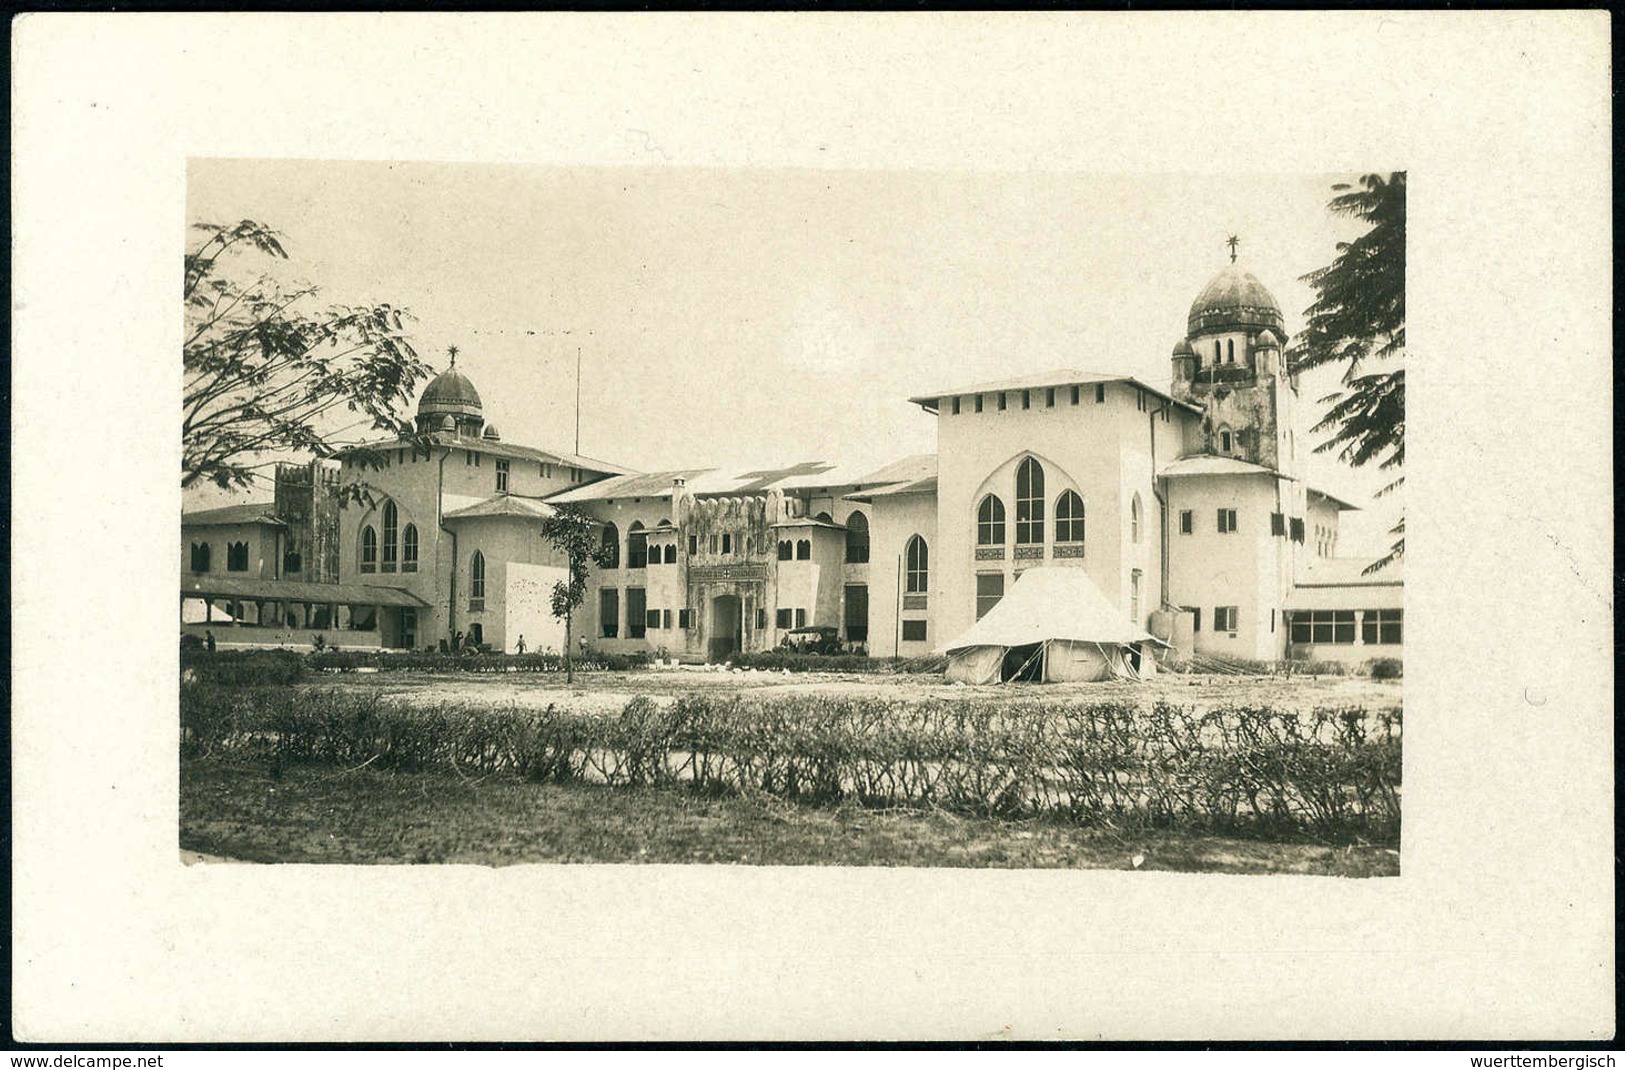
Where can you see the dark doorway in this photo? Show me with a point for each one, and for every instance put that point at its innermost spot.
(1023, 664)
(727, 627)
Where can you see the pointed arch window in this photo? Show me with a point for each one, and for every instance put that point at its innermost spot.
(476, 581)
(369, 549)
(1030, 502)
(200, 557)
(857, 539)
(1134, 518)
(610, 544)
(409, 548)
(918, 565)
(787, 550)
(392, 523)
(990, 522)
(670, 553)
(803, 549)
(637, 546)
(1069, 517)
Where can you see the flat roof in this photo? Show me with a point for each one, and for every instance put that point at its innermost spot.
(494, 447)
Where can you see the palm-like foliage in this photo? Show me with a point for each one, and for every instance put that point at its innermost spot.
(262, 370)
(1358, 320)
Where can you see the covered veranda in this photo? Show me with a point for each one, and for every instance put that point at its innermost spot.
(251, 613)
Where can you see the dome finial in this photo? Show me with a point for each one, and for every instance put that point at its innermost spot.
(451, 351)
(1233, 241)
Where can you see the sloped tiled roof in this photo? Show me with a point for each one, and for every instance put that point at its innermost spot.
(1208, 464)
(496, 448)
(358, 594)
(1039, 380)
(504, 505)
(253, 513)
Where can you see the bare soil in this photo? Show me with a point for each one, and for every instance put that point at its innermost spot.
(608, 692)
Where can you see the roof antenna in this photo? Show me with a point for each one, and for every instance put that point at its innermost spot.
(1233, 241)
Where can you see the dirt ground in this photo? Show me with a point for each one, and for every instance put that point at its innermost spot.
(608, 692)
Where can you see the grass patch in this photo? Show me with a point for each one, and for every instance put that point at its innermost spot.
(318, 813)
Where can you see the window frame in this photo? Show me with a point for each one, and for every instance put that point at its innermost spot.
(502, 476)
(1069, 517)
(991, 598)
(390, 522)
(409, 548)
(1226, 521)
(857, 539)
(368, 549)
(1030, 503)
(917, 565)
(990, 517)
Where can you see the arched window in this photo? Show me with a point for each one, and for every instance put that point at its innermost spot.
(918, 565)
(200, 557)
(236, 557)
(610, 544)
(670, 553)
(1224, 441)
(803, 549)
(409, 548)
(1069, 517)
(990, 522)
(1030, 502)
(392, 523)
(476, 581)
(857, 539)
(787, 549)
(1218, 351)
(825, 517)
(369, 549)
(1230, 351)
(1134, 518)
(637, 546)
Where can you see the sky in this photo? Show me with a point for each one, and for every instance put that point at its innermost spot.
(768, 316)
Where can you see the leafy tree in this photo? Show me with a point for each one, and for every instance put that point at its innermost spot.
(263, 369)
(575, 535)
(1358, 320)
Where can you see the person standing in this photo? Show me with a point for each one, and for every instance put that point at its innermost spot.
(208, 638)
(519, 647)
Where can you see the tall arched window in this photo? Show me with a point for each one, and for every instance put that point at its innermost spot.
(610, 542)
(918, 565)
(1218, 351)
(1134, 518)
(236, 557)
(1030, 502)
(857, 539)
(369, 549)
(671, 553)
(990, 522)
(476, 581)
(392, 523)
(200, 557)
(1069, 517)
(1230, 351)
(787, 550)
(409, 548)
(803, 549)
(637, 546)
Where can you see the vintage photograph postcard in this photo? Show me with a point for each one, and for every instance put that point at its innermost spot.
(812, 527)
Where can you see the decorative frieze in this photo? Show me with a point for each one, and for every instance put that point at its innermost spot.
(1069, 549)
(743, 572)
(990, 553)
(1029, 553)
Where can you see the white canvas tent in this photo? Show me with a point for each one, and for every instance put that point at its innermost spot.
(1053, 625)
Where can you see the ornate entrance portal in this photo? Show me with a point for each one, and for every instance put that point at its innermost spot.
(727, 627)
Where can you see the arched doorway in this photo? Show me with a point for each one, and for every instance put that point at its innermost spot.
(727, 627)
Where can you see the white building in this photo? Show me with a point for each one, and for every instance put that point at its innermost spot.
(1187, 509)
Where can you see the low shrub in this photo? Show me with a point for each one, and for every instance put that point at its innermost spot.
(779, 660)
(1332, 773)
(243, 668)
(1387, 669)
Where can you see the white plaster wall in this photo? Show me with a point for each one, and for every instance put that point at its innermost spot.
(892, 521)
(528, 608)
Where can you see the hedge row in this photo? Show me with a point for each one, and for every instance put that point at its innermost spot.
(1332, 773)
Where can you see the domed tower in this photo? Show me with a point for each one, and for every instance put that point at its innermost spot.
(1229, 363)
(451, 399)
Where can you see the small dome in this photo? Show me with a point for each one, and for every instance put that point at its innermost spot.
(1269, 338)
(1182, 348)
(448, 423)
(450, 392)
(491, 433)
(1234, 299)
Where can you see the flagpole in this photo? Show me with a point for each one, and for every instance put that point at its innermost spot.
(578, 400)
